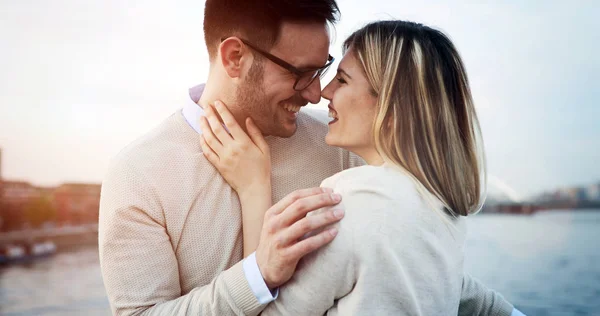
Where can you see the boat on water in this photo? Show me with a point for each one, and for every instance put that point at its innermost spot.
(17, 253)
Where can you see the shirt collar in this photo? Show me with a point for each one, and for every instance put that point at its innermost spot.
(191, 110)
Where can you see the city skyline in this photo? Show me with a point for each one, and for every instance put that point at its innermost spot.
(81, 81)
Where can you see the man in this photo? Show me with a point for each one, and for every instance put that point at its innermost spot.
(171, 228)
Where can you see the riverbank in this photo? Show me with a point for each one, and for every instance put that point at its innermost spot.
(546, 264)
(24, 247)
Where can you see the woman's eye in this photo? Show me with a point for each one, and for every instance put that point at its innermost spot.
(341, 80)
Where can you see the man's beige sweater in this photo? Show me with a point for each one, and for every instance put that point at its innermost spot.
(170, 233)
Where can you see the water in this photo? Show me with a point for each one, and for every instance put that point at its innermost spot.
(65, 284)
(546, 264)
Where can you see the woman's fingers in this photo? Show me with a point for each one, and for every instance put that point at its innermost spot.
(256, 136)
(215, 125)
(234, 128)
(209, 137)
(212, 157)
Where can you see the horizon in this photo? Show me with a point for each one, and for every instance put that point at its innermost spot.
(500, 187)
(83, 80)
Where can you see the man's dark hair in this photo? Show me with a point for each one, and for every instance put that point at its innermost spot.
(259, 21)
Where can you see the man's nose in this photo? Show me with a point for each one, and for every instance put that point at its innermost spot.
(312, 93)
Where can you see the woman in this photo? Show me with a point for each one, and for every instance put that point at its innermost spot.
(401, 101)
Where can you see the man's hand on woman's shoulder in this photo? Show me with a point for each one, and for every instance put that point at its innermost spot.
(281, 243)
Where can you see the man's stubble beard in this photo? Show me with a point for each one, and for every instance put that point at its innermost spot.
(252, 99)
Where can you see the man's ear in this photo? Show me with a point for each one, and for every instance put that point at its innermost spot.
(234, 56)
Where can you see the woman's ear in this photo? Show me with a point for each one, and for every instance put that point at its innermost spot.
(233, 55)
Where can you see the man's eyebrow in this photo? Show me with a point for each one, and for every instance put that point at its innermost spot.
(340, 70)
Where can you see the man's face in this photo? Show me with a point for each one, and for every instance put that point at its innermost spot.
(267, 93)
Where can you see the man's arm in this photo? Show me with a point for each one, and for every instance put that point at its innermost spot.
(140, 269)
(477, 299)
(138, 263)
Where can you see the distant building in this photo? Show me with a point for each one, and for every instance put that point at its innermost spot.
(510, 208)
(1, 183)
(581, 194)
(77, 203)
(16, 196)
(562, 195)
(571, 195)
(1, 167)
(545, 197)
(19, 192)
(593, 192)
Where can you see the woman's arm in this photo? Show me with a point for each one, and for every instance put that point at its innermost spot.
(477, 299)
(321, 278)
(254, 201)
(244, 161)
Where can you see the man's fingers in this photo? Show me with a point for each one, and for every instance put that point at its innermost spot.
(312, 224)
(230, 122)
(302, 206)
(308, 245)
(209, 137)
(256, 135)
(216, 127)
(284, 203)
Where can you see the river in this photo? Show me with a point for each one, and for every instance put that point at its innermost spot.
(546, 264)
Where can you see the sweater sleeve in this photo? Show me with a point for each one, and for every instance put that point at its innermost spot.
(477, 299)
(139, 266)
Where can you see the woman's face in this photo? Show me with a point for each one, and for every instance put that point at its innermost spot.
(352, 107)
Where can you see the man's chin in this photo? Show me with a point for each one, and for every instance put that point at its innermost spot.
(286, 131)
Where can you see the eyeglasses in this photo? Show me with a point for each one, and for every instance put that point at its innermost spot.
(305, 77)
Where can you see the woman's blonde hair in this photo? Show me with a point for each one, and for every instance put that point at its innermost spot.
(426, 123)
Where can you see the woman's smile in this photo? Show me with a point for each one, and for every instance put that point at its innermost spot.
(333, 114)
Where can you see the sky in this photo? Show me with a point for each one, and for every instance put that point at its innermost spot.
(79, 80)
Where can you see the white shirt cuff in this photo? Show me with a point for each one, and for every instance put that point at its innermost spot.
(516, 312)
(256, 281)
